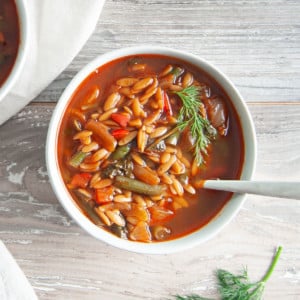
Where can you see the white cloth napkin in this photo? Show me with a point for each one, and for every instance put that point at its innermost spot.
(58, 30)
(13, 283)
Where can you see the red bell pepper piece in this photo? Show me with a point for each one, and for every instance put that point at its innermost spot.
(167, 105)
(119, 133)
(104, 195)
(121, 119)
(160, 214)
(81, 180)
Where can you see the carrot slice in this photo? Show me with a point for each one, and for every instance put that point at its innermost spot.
(101, 131)
(141, 232)
(104, 195)
(160, 214)
(81, 180)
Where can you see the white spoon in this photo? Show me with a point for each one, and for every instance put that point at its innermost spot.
(279, 189)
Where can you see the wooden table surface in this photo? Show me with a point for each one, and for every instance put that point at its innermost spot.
(257, 44)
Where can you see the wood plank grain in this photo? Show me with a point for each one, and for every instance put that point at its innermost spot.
(63, 262)
(256, 43)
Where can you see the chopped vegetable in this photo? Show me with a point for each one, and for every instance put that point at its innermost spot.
(119, 231)
(120, 152)
(177, 71)
(121, 167)
(81, 180)
(78, 158)
(160, 214)
(87, 206)
(167, 104)
(106, 139)
(141, 232)
(104, 195)
(217, 114)
(138, 186)
(121, 119)
(119, 133)
(137, 212)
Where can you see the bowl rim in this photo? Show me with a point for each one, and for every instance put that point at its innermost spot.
(214, 226)
(22, 11)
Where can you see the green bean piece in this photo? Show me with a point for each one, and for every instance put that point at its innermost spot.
(138, 186)
(177, 71)
(120, 152)
(77, 158)
(86, 206)
(119, 231)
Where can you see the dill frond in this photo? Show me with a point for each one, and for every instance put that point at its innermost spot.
(189, 116)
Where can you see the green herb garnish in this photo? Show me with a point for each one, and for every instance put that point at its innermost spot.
(189, 116)
(238, 287)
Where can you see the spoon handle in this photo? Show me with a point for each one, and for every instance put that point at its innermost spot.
(279, 189)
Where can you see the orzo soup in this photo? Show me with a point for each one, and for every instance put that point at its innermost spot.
(138, 136)
(9, 37)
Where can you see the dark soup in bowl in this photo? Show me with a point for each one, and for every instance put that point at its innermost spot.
(9, 37)
(138, 136)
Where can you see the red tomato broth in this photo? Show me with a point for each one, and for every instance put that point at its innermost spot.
(9, 37)
(226, 154)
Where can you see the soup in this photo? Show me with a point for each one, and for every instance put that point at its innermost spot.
(138, 137)
(9, 37)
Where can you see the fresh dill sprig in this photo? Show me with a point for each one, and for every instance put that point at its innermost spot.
(238, 287)
(189, 115)
(234, 286)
